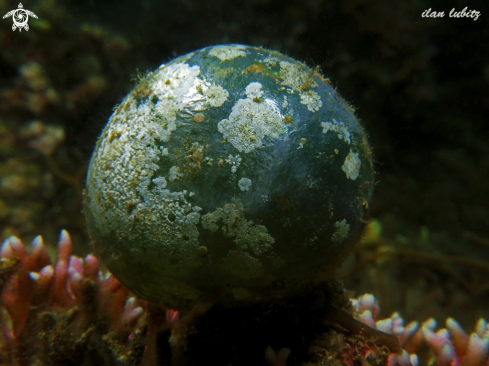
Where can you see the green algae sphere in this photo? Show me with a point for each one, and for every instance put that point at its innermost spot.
(233, 173)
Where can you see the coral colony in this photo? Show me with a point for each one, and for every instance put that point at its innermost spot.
(53, 313)
(225, 191)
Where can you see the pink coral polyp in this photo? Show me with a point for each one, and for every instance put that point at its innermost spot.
(449, 346)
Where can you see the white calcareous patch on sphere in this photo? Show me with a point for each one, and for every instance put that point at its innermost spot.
(160, 182)
(270, 61)
(311, 100)
(226, 53)
(351, 166)
(216, 95)
(338, 127)
(171, 85)
(124, 165)
(244, 184)
(253, 90)
(342, 229)
(234, 161)
(285, 103)
(193, 98)
(246, 234)
(164, 151)
(174, 82)
(203, 94)
(294, 77)
(249, 123)
(174, 173)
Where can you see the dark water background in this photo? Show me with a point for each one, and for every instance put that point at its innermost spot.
(420, 86)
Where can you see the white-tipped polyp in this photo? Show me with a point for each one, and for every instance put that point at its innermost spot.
(6, 251)
(385, 326)
(481, 327)
(130, 303)
(446, 354)
(47, 270)
(34, 276)
(430, 324)
(17, 247)
(414, 360)
(64, 236)
(367, 302)
(36, 242)
(404, 359)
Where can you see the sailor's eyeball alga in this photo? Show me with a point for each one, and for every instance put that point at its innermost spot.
(232, 172)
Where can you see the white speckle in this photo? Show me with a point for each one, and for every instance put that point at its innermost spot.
(170, 86)
(338, 127)
(174, 173)
(164, 151)
(226, 53)
(175, 81)
(160, 182)
(264, 198)
(244, 184)
(191, 194)
(253, 90)
(216, 95)
(249, 123)
(192, 218)
(342, 231)
(312, 182)
(351, 166)
(193, 96)
(270, 61)
(285, 103)
(248, 236)
(312, 100)
(294, 77)
(234, 161)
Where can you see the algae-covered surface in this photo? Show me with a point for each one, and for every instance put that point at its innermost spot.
(419, 85)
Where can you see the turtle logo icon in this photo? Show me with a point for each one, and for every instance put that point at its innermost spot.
(20, 17)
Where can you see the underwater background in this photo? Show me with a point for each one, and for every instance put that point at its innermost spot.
(419, 85)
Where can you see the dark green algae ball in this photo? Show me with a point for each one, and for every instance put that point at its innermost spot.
(232, 171)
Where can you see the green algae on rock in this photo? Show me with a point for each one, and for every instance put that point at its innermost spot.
(232, 170)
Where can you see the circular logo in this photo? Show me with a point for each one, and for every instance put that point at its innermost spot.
(20, 18)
